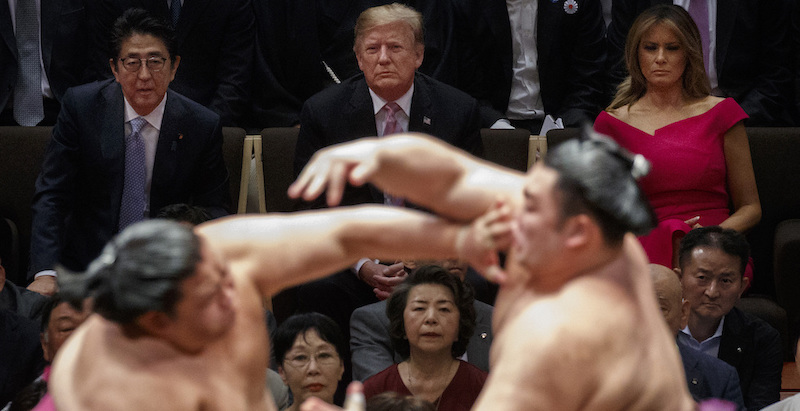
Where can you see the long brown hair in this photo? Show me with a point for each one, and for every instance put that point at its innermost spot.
(695, 82)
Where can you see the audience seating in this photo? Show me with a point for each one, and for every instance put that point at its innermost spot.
(22, 150)
(237, 161)
(277, 160)
(508, 148)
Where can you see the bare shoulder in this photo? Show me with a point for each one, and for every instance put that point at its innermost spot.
(704, 104)
(620, 113)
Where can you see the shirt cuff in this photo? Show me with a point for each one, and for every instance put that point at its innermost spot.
(357, 267)
(46, 273)
(502, 124)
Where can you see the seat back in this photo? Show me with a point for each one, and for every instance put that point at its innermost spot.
(277, 157)
(22, 151)
(508, 148)
(557, 136)
(236, 161)
(775, 152)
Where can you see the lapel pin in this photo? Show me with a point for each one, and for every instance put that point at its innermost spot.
(571, 6)
(180, 136)
(694, 381)
(739, 349)
(483, 336)
(426, 120)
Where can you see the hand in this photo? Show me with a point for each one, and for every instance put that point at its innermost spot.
(332, 167)
(382, 278)
(479, 242)
(45, 285)
(693, 222)
(354, 401)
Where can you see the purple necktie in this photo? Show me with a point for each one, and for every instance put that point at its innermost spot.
(698, 9)
(133, 203)
(391, 127)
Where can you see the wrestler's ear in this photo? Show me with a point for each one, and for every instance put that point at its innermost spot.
(579, 231)
(153, 322)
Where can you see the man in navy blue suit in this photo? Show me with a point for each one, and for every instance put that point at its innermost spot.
(706, 376)
(79, 200)
(712, 261)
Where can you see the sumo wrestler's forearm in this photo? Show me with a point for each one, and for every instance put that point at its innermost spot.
(423, 170)
(279, 251)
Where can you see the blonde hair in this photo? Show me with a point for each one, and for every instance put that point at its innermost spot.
(390, 13)
(694, 81)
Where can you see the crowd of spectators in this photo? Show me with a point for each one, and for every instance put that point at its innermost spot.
(344, 70)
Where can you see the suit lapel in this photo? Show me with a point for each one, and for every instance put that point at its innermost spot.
(170, 139)
(420, 118)
(730, 345)
(7, 29)
(726, 16)
(548, 22)
(112, 143)
(50, 12)
(359, 110)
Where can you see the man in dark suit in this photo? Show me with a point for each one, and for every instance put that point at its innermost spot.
(556, 67)
(389, 48)
(287, 75)
(371, 347)
(389, 97)
(62, 28)
(215, 40)
(751, 61)
(95, 179)
(712, 261)
(706, 376)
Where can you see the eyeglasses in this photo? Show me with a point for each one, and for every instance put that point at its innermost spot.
(324, 358)
(134, 64)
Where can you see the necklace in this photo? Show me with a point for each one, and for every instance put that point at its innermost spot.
(447, 376)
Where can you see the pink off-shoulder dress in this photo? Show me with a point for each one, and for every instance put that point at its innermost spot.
(689, 175)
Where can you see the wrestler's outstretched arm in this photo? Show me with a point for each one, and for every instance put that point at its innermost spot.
(422, 169)
(281, 250)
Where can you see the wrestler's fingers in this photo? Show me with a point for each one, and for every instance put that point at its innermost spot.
(336, 183)
(361, 173)
(355, 400)
(494, 273)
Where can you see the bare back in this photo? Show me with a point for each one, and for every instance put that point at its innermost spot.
(100, 368)
(598, 343)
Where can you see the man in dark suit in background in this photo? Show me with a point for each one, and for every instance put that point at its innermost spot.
(122, 150)
(712, 262)
(750, 57)
(556, 69)
(215, 40)
(389, 97)
(286, 75)
(42, 53)
(706, 376)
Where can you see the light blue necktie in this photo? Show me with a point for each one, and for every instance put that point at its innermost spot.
(133, 203)
(28, 105)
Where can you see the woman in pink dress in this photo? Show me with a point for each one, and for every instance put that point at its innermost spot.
(696, 142)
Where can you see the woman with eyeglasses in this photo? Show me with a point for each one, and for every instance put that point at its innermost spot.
(308, 349)
(431, 318)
